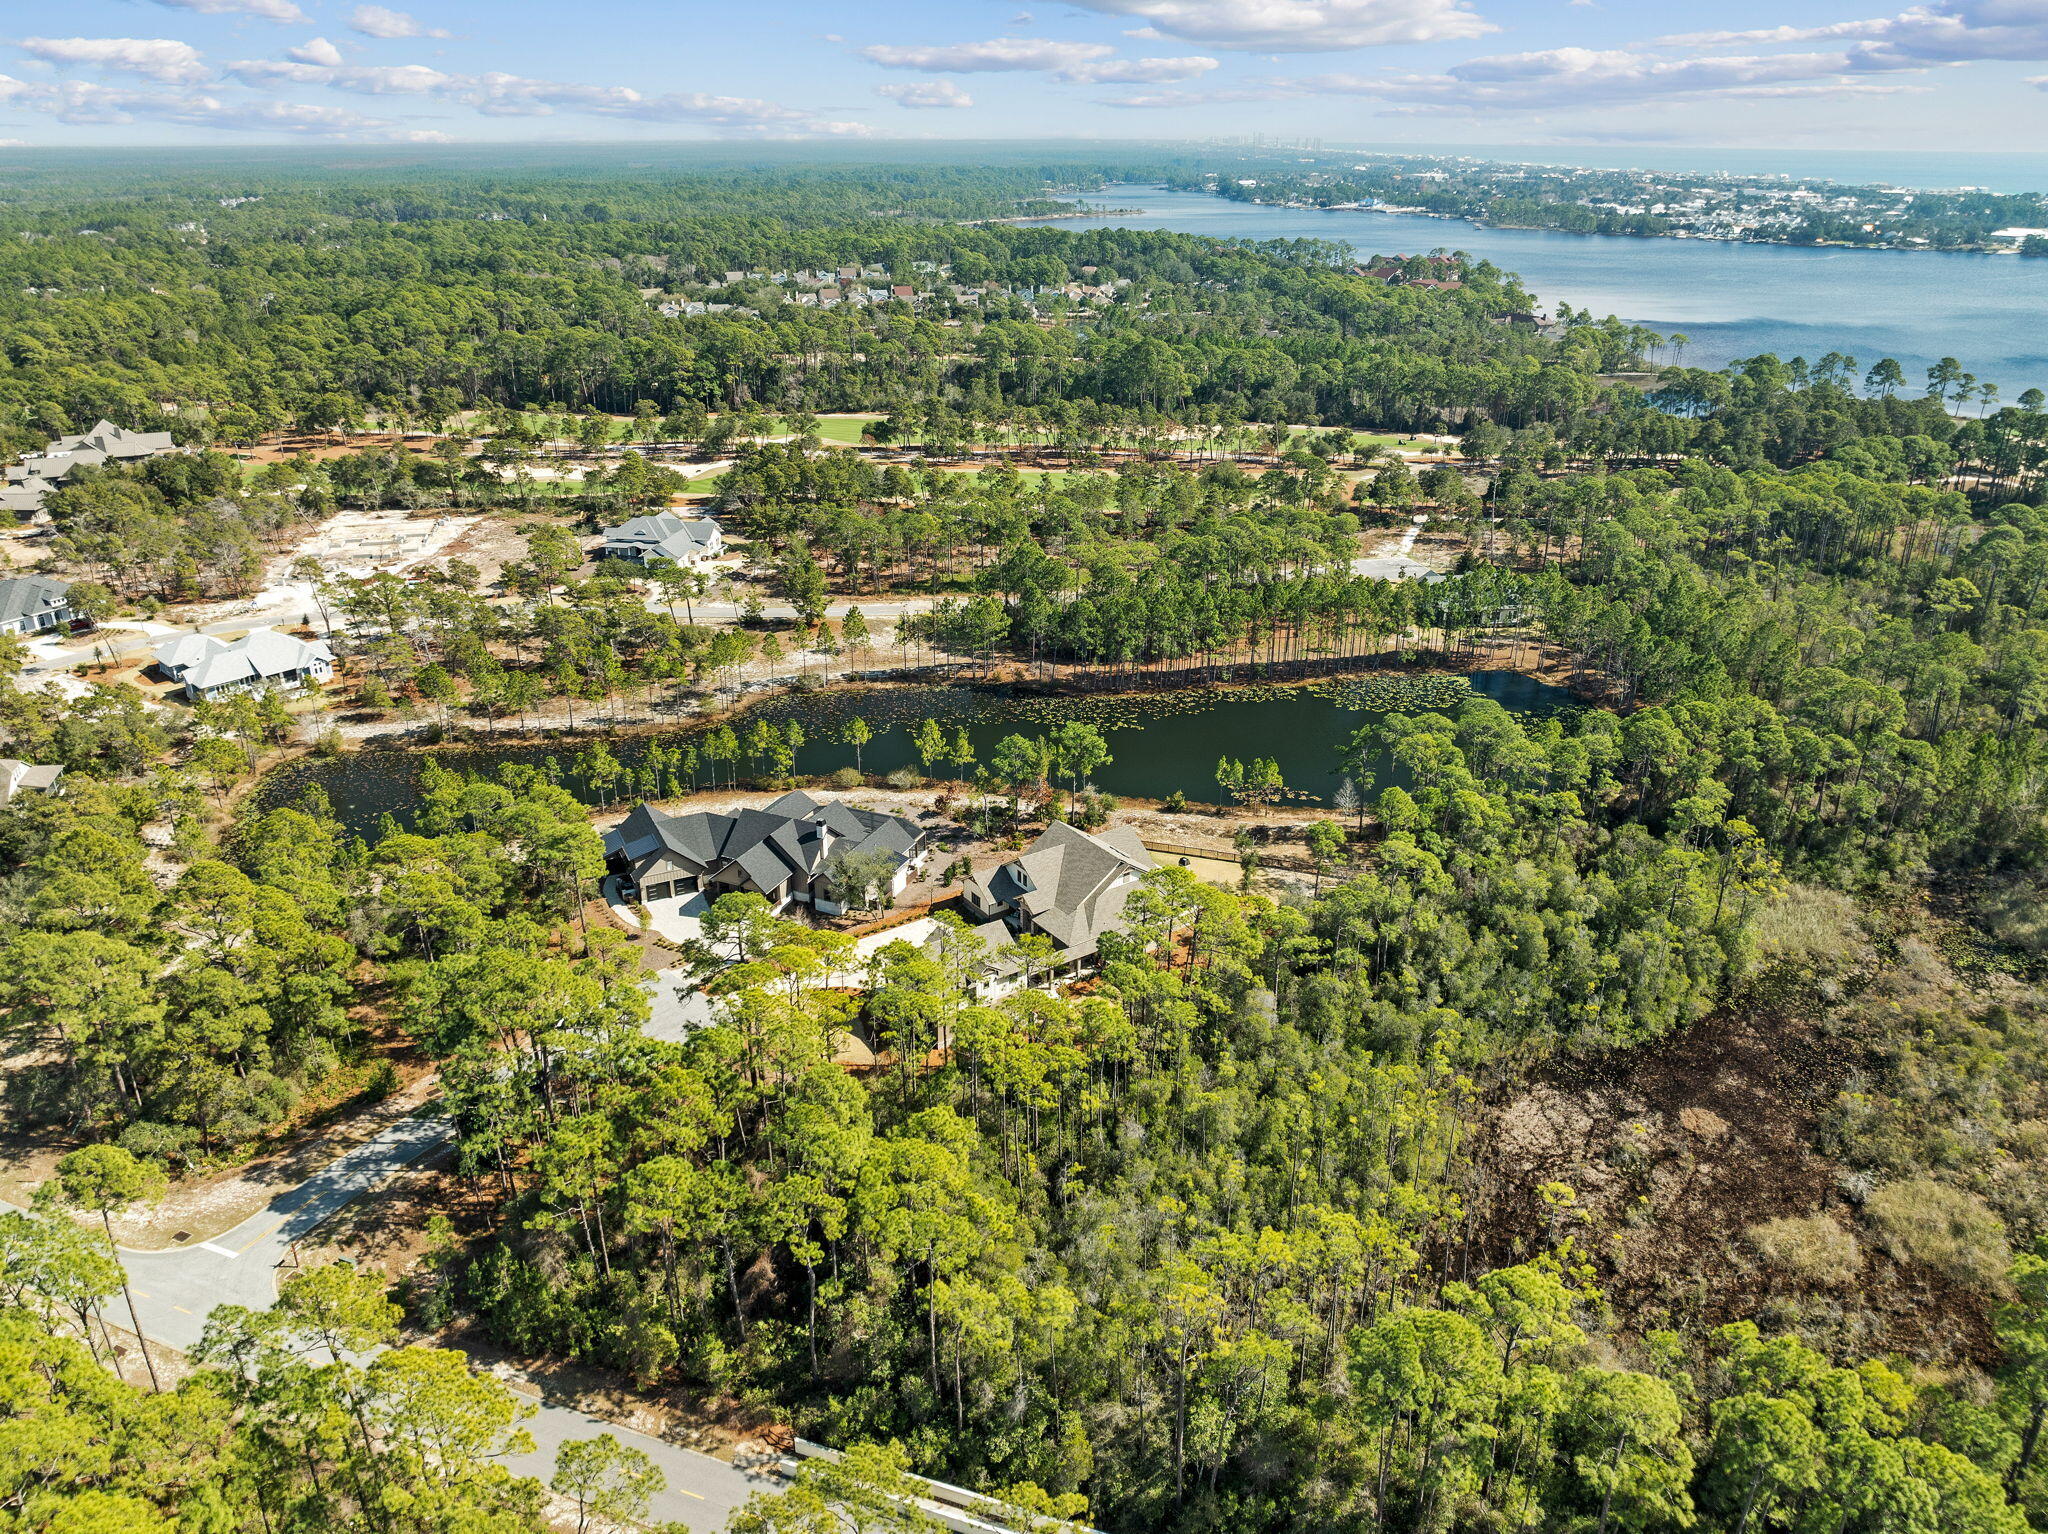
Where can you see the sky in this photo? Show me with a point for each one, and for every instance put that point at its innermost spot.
(1844, 74)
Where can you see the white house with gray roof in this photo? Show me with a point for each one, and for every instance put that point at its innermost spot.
(686, 540)
(789, 853)
(18, 777)
(35, 604)
(212, 668)
(1068, 886)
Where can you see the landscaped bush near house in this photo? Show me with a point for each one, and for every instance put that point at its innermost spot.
(904, 777)
(1946, 1228)
(846, 777)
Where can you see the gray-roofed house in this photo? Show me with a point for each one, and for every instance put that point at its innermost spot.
(664, 535)
(104, 443)
(788, 852)
(19, 777)
(34, 604)
(54, 467)
(23, 498)
(113, 442)
(212, 668)
(1068, 886)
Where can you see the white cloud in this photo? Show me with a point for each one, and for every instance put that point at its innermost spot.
(1083, 63)
(1691, 65)
(1947, 32)
(80, 102)
(1154, 101)
(1141, 71)
(503, 95)
(926, 94)
(1302, 26)
(995, 55)
(1769, 35)
(318, 51)
(158, 58)
(357, 79)
(282, 11)
(497, 94)
(382, 21)
(1559, 78)
(13, 143)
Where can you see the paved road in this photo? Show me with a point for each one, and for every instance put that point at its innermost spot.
(175, 1289)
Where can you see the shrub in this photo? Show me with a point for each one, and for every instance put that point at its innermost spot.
(1175, 803)
(1810, 925)
(383, 1081)
(1814, 1248)
(847, 777)
(1944, 1228)
(2013, 913)
(170, 1143)
(904, 777)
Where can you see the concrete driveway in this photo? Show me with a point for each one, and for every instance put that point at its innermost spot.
(175, 1289)
(679, 921)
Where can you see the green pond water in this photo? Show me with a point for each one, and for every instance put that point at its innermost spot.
(1159, 742)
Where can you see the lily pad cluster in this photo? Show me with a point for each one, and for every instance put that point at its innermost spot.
(1403, 694)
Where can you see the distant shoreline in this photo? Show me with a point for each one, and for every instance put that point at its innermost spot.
(1585, 234)
(1049, 218)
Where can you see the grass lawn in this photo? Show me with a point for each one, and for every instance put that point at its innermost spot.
(841, 430)
(845, 429)
(1381, 439)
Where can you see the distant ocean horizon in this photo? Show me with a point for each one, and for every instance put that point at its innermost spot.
(2003, 171)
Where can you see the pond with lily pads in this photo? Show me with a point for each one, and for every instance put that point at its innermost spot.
(1159, 742)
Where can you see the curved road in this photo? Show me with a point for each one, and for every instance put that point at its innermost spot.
(175, 1289)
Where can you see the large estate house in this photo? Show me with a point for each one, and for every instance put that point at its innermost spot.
(685, 540)
(35, 604)
(1068, 887)
(790, 853)
(212, 668)
(29, 481)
